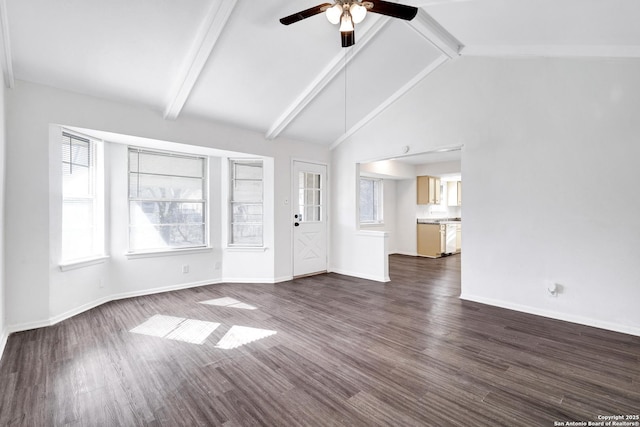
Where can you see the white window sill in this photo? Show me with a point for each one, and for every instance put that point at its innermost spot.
(372, 233)
(172, 252)
(81, 263)
(371, 224)
(246, 248)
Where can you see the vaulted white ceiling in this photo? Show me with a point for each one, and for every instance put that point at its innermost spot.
(232, 61)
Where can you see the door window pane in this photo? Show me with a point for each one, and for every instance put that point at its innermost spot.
(309, 197)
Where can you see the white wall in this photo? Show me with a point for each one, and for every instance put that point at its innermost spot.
(35, 293)
(406, 238)
(389, 168)
(543, 138)
(3, 319)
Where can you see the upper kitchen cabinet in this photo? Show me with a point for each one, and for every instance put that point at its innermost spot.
(428, 190)
(454, 193)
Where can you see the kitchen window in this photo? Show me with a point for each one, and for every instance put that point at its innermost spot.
(371, 200)
(82, 199)
(167, 201)
(246, 203)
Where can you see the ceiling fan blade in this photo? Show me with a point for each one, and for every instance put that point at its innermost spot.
(395, 10)
(304, 14)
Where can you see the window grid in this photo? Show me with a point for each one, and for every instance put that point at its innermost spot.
(82, 229)
(167, 201)
(309, 197)
(371, 201)
(246, 203)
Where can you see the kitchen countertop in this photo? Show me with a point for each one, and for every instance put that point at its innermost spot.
(439, 220)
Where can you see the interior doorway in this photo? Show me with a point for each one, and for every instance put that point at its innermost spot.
(403, 211)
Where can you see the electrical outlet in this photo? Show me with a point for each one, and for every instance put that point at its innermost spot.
(185, 268)
(101, 283)
(217, 265)
(553, 288)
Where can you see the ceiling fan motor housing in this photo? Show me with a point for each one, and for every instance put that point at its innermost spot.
(347, 13)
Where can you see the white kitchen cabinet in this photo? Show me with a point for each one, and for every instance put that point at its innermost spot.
(454, 193)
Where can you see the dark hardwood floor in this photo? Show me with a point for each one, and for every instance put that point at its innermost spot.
(345, 352)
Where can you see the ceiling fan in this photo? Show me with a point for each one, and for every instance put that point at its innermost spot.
(350, 12)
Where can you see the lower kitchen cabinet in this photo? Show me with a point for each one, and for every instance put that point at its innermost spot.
(431, 240)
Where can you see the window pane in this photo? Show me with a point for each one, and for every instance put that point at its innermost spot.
(248, 170)
(169, 210)
(247, 234)
(76, 181)
(169, 235)
(311, 214)
(81, 233)
(146, 213)
(77, 229)
(246, 213)
(370, 200)
(76, 151)
(312, 197)
(245, 202)
(309, 180)
(158, 187)
(247, 191)
(165, 164)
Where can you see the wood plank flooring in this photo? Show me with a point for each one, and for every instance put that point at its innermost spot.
(346, 352)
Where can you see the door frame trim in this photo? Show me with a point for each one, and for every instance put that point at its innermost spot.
(293, 193)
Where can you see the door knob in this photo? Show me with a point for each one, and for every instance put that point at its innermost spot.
(296, 224)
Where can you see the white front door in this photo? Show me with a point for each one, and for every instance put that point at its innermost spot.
(309, 218)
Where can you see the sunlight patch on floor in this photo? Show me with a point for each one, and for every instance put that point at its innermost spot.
(176, 328)
(241, 335)
(228, 302)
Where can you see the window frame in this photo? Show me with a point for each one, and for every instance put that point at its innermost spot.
(96, 195)
(230, 203)
(205, 202)
(378, 190)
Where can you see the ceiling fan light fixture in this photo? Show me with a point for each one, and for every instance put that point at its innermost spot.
(348, 38)
(357, 12)
(346, 23)
(334, 13)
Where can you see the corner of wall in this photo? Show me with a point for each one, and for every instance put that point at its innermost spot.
(3, 147)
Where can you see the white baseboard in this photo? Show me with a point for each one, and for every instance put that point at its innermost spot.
(28, 326)
(360, 275)
(255, 280)
(95, 303)
(615, 327)
(77, 310)
(114, 297)
(4, 335)
(404, 253)
(133, 294)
